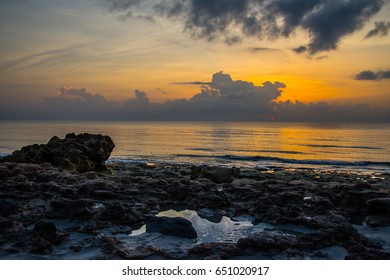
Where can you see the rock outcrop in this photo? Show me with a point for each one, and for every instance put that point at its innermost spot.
(49, 213)
(178, 226)
(218, 175)
(77, 153)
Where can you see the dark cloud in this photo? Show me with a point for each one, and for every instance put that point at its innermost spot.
(322, 57)
(141, 101)
(233, 40)
(225, 99)
(120, 5)
(130, 9)
(332, 20)
(325, 112)
(130, 15)
(159, 90)
(78, 95)
(75, 104)
(300, 49)
(260, 49)
(381, 29)
(222, 99)
(326, 22)
(373, 76)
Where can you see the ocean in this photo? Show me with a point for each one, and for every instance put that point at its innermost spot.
(347, 146)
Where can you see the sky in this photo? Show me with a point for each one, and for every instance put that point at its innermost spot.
(234, 60)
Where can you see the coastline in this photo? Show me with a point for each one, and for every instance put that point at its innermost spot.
(50, 213)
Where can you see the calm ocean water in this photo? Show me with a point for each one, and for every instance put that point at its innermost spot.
(319, 145)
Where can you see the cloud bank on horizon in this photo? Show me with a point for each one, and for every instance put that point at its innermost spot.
(222, 99)
(326, 22)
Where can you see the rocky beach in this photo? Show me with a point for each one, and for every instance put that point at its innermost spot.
(63, 200)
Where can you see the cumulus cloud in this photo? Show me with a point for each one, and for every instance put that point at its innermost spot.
(326, 22)
(369, 75)
(74, 103)
(221, 99)
(326, 112)
(381, 29)
(235, 100)
(81, 95)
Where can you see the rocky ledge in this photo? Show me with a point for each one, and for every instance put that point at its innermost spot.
(81, 153)
(51, 212)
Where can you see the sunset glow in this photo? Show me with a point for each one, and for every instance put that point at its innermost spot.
(112, 48)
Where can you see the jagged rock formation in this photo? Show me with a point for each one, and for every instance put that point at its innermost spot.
(80, 153)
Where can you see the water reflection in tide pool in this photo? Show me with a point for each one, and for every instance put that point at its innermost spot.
(212, 227)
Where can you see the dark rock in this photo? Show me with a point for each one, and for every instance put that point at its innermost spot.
(10, 228)
(6, 223)
(114, 248)
(45, 229)
(261, 205)
(213, 200)
(178, 192)
(93, 227)
(172, 226)
(287, 197)
(268, 242)
(318, 201)
(210, 215)
(215, 250)
(119, 213)
(379, 206)
(41, 239)
(114, 212)
(39, 246)
(379, 211)
(7, 207)
(108, 195)
(216, 174)
(81, 153)
(64, 208)
(378, 220)
(306, 215)
(8, 169)
(327, 237)
(355, 198)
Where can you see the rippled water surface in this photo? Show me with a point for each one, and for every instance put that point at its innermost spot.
(213, 228)
(223, 143)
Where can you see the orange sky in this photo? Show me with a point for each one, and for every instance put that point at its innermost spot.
(50, 44)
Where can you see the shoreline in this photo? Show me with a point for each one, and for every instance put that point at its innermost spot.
(49, 213)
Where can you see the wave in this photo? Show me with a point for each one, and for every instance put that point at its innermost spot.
(341, 146)
(272, 151)
(201, 149)
(252, 151)
(291, 161)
